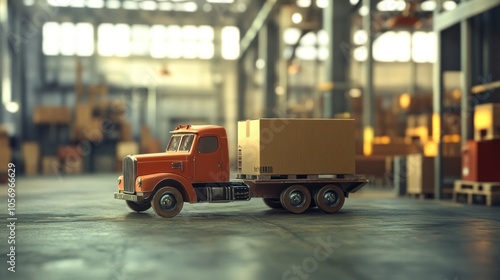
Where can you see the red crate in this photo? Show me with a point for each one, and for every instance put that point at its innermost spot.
(480, 161)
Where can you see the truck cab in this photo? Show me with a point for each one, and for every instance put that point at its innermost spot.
(193, 168)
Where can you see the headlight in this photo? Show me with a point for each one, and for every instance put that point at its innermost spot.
(119, 180)
(139, 182)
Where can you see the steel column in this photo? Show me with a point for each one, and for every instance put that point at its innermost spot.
(465, 64)
(336, 22)
(268, 51)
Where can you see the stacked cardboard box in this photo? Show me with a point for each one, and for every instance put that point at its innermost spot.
(70, 159)
(123, 149)
(50, 165)
(31, 158)
(5, 150)
(86, 126)
(52, 115)
(480, 156)
(480, 167)
(487, 121)
(420, 172)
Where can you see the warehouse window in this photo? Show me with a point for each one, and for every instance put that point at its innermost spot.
(397, 46)
(50, 44)
(182, 42)
(230, 36)
(312, 46)
(113, 40)
(68, 39)
(140, 39)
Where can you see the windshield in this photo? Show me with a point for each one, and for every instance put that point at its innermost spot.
(180, 143)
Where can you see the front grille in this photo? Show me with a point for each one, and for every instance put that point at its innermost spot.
(129, 174)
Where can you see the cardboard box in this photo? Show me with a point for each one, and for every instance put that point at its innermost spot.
(52, 115)
(50, 165)
(420, 172)
(126, 148)
(31, 157)
(5, 158)
(480, 161)
(394, 149)
(379, 166)
(487, 121)
(296, 146)
(72, 166)
(90, 131)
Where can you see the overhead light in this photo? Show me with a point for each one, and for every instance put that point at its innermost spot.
(77, 3)
(360, 37)
(260, 64)
(12, 107)
(149, 5)
(279, 90)
(363, 11)
(428, 6)
(391, 5)
(130, 5)
(221, 1)
(296, 18)
(303, 3)
(95, 4)
(354, 2)
(166, 6)
(291, 35)
(449, 5)
(360, 53)
(322, 3)
(29, 2)
(113, 4)
(355, 92)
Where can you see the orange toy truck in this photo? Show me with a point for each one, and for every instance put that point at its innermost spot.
(294, 164)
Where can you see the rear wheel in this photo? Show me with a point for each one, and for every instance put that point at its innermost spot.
(139, 207)
(167, 202)
(330, 198)
(274, 203)
(296, 199)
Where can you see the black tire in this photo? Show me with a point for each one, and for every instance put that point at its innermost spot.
(167, 202)
(273, 203)
(139, 207)
(329, 198)
(296, 199)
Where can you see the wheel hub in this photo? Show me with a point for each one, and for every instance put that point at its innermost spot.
(168, 202)
(330, 198)
(297, 198)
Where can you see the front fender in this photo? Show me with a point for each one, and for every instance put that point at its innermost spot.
(151, 181)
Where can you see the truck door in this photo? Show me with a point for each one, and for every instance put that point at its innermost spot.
(208, 160)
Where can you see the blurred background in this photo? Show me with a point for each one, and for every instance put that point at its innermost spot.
(85, 82)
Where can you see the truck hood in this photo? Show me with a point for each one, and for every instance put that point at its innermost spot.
(160, 163)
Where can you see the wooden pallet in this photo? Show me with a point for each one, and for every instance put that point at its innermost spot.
(275, 177)
(477, 192)
(447, 194)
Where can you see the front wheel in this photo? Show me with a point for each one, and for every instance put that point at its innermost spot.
(296, 199)
(330, 198)
(139, 207)
(167, 202)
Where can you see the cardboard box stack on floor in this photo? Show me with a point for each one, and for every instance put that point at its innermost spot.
(52, 115)
(70, 159)
(480, 164)
(420, 173)
(31, 158)
(5, 150)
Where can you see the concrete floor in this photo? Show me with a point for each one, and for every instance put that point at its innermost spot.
(72, 228)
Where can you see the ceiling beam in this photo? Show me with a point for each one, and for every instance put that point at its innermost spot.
(257, 24)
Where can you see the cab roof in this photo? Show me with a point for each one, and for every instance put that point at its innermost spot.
(202, 129)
